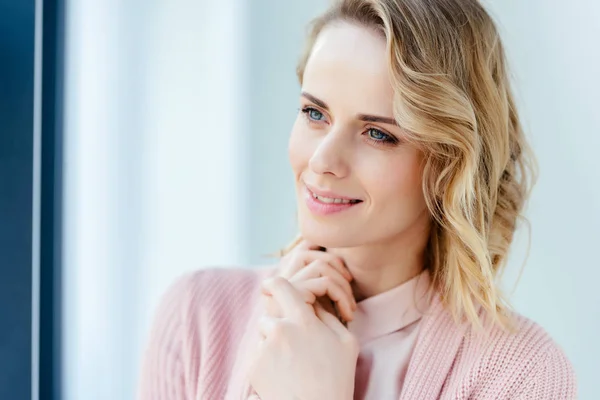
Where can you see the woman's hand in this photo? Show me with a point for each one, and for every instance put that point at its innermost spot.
(316, 274)
(304, 354)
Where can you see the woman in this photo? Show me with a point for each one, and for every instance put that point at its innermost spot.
(411, 170)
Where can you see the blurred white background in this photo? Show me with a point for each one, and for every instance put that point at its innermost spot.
(177, 120)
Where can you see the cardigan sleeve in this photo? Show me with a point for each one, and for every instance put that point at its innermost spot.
(163, 371)
(553, 379)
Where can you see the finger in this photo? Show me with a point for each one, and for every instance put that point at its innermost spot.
(331, 259)
(298, 260)
(271, 307)
(307, 257)
(333, 323)
(326, 286)
(319, 268)
(294, 263)
(301, 259)
(268, 326)
(274, 310)
(288, 298)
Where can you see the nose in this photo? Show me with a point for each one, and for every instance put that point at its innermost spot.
(329, 156)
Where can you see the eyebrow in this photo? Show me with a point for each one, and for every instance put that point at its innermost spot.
(361, 117)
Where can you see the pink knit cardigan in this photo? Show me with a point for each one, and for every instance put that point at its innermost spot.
(195, 348)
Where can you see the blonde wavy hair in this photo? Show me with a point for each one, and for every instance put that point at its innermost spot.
(453, 98)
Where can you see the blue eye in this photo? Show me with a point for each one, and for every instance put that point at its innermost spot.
(313, 114)
(376, 134)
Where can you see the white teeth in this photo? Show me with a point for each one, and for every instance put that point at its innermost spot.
(330, 200)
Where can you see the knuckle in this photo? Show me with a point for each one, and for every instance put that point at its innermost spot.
(307, 295)
(277, 281)
(327, 280)
(335, 259)
(319, 264)
(350, 342)
(272, 309)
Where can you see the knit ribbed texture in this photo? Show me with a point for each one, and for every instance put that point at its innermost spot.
(194, 349)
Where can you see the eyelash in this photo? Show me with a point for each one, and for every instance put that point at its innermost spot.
(388, 141)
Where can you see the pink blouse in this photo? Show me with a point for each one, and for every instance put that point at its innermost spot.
(386, 326)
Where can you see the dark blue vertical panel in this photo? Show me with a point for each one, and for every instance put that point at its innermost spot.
(20, 83)
(51, 201)
(17, 27)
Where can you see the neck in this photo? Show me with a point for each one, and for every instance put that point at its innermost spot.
(381, 266)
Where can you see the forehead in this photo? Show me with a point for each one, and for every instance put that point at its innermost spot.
(349, 62)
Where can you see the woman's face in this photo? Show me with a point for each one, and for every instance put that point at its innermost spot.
(357, 181)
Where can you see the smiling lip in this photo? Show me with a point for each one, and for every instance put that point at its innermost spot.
(321, 202)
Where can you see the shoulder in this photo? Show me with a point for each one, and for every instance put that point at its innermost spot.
(200, 308)
(550, 374)
(223, 278)
(525, 360)
(213, 286)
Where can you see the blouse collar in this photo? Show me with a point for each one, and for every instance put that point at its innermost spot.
(391, 310)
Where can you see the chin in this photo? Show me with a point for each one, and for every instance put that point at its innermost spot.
(328, 235)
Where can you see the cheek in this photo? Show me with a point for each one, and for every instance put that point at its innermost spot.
(401, 179)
